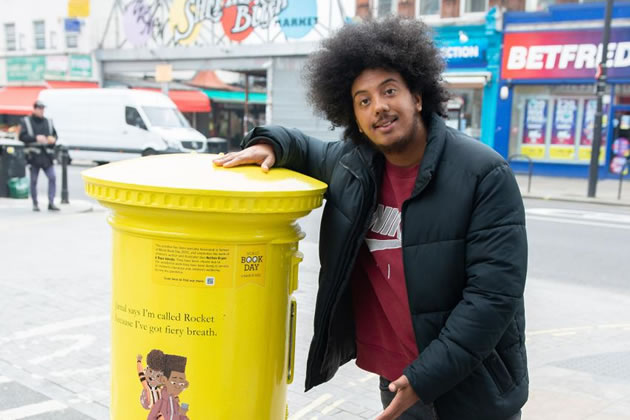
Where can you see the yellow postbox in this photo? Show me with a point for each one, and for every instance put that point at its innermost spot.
(204, 265)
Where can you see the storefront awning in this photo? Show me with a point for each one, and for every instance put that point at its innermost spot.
(187, 100)
(16, 100)
(190, 100)
(235, 97)
(70, 84)
(471, 80)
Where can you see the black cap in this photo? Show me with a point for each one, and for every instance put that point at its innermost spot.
(39, 104)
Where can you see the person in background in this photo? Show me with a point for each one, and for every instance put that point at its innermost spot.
(39, 136)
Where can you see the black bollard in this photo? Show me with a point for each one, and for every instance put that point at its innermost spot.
(64, 175)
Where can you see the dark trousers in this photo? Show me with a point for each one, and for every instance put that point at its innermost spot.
(418, 411)
(52, 182)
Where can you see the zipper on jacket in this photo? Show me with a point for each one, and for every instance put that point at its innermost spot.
(353, 256)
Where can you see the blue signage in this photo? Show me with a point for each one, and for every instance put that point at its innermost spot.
(72, 25)
(299, 18)
(469, 54)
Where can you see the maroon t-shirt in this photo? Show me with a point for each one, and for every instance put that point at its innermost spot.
(384, 334)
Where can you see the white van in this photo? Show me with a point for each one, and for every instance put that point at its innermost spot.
(136, 121)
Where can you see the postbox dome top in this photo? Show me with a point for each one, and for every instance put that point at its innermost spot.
(192, 182)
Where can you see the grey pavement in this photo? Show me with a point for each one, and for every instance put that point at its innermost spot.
(575, 189)
(55, 300)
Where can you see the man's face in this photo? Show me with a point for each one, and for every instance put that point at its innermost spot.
(385, 110)
(38, 112)
(175, 383)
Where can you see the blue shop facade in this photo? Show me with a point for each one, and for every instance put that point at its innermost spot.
(472, 54)
(546, 93)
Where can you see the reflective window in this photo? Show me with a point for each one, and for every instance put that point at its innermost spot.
(165, 117)
(429, 7)
(555, 123)
(39, 31)
(132, 117)
(384, 8)
(9, 37)
(475, 6)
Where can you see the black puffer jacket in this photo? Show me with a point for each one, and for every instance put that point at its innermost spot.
(465, 260)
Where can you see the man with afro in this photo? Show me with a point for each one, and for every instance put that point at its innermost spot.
(423, 248)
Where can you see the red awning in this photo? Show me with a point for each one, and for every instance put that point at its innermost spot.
(18, 100)
(70, 84)
(187, 100)
(208, 79)
(190, 100)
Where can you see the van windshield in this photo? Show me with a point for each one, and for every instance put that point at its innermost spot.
(165, 117)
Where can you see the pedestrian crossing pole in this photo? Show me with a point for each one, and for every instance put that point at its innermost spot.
(600, 88)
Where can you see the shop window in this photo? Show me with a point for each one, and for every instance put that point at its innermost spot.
(464, 111)
(72, 40)
(475, 6)
(555, 123)
(385, 7)
(429, 7)
(9, 37)
(39, 32)
(53, 40)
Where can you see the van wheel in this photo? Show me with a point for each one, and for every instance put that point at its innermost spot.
(101, 162)
(149, 152)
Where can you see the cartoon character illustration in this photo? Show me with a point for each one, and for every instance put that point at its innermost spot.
(150, 377)
(174, 382)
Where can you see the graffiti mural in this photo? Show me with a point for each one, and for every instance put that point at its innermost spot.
(143, 21)
(195, 22)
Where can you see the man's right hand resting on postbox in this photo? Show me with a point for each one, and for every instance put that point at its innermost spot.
(260, 154)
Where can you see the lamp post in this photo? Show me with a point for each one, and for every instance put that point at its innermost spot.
(600, 87)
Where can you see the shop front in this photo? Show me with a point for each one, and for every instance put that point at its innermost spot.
(229, 114)
(472, 55)
(547, 99)
(17, 101)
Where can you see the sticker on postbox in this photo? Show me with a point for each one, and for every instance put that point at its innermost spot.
(193, 264)
(251, 261)
(206, 265)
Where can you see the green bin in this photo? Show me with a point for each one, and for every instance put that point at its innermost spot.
(18, 187)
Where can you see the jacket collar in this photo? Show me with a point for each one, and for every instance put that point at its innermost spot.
(436, 139)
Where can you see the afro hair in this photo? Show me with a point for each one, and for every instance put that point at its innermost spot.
(156, 359)
(395, 44)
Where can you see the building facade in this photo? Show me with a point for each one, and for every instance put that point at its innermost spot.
(267, 40)
(547, 101)
(46, 44)
(49, 40)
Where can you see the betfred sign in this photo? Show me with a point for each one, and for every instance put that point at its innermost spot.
(564, 54)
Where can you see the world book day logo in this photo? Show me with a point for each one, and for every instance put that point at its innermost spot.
(239, 18)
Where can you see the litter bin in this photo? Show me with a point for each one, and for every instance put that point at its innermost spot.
(12, 163)
(217, 145)
(205, 262)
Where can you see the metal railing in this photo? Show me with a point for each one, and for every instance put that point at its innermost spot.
(63, 156)
(621, 175)
(530, 170)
